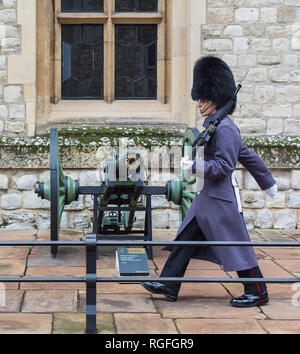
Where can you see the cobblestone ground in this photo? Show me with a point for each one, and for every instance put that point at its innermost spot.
(128, 308)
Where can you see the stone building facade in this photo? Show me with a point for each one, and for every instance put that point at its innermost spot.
(260, 36)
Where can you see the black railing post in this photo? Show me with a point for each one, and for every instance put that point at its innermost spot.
(148, 225)
(91, 283)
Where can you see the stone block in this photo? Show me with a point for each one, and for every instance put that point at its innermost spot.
(43, 221)
(220, 15)
(285, 219)
(81, 221)
(174, 222)
(233, 31)
(12, 93)
(1, 126)
(247, 60)
(11, 201)
(268, 59)
(295, 179)
(16, 111)
(33, 201)
(253, 199)
(293, 200)
(264, 219)
(268, 15)
(3, 111)
(282, 179)
(251, 126)
(261, 45)
(76, 204)
(159, 219)
(291, 126)
(10, 44)
(215, 45)
(249, 217)
(3, 181)
(241, 45)
(286, 14)
(19, 220)
(287, 93)
(277, 110)
(280, 45)
(246, 14)
(15, 127)
(8, 16)
(274, 126)
(250, 182)
(89, 178)
(279, 75)
(25, 181)
(277, 202)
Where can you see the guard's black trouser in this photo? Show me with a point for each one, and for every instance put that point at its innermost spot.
(180, 256)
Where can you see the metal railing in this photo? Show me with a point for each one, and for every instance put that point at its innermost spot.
(91, 278)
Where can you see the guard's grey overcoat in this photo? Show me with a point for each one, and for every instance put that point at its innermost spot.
(215, 208)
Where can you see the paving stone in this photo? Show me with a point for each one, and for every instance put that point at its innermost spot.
(22, 323)
(120, 303)
(12, 268)
(205, 308)
(281, 291)
(54, 272)
(59, 261)
(50, 301)
(14, 252)
(281, 327)
(75, 323)
(12, 301)
(281, 309)
(283, 253)
(144, 323)
(219, 326)
(290, 265)
(272, 270)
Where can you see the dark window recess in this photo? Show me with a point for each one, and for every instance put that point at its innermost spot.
(136, 5)
(82, 62)
(82, 6)
(135, 62)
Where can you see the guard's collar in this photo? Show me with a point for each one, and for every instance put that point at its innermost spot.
(207, 120)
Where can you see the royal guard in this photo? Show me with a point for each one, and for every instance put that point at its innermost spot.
(216, 213)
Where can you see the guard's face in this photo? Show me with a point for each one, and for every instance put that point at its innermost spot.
(206, 108)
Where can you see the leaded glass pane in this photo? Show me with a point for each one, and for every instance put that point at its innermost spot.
(136, 5)
(135, 62)
(82, 5)
(82, 61)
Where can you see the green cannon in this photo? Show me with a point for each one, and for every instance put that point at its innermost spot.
(117, 197)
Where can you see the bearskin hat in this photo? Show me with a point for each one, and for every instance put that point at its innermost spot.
(213, 81)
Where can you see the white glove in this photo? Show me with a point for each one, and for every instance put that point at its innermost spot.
(186, 163)
(272, 191)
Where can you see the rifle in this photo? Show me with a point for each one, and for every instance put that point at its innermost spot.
(215, 120)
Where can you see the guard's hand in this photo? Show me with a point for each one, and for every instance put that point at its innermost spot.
(186, 163)
(272, 191)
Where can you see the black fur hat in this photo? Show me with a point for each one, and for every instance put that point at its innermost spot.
(213, 81)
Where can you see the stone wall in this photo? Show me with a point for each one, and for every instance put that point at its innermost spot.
(21, 208)
(264, 37)
(12, 104)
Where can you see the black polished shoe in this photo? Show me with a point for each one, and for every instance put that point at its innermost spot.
(159, 288)
(250, 300)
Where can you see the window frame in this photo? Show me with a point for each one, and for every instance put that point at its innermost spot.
(109, 18)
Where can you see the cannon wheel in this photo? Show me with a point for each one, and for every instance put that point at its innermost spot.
(182, 190)
(57, 192)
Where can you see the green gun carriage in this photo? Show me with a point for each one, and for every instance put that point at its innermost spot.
(118, 196)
